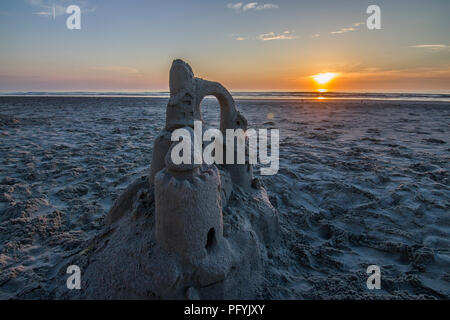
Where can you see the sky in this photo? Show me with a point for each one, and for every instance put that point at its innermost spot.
(246, 45)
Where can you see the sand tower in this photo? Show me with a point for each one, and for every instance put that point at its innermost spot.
(187, 197)
(188, 211)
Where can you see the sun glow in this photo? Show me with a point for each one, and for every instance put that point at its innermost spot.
(323, 78)
(322, 90)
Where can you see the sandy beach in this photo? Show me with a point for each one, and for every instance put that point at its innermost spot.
(360, 183)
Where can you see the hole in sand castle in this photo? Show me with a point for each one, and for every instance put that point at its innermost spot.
(211, 239)
(210, 109)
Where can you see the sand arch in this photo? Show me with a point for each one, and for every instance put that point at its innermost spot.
(230, 118)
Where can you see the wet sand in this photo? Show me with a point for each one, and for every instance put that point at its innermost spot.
(360, 183)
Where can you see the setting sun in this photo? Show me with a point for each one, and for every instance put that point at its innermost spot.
(323, 78)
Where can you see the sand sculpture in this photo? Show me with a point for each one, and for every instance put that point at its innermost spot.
(188, 231)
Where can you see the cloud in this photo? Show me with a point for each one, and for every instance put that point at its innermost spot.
(118, 69)
(286, 35)
(267, 6)
(343, 30)
(235, 6)
(249, 6)
(57, 11)
(383, 74)
(43, 13)
(240, 7)
(315, 35)
(36, 3)
(238, 37)
(435, 47)
(354, 27)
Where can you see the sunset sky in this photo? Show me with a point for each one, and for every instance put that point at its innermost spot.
(246, 45)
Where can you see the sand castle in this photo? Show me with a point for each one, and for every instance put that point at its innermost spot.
(185, 231)
(192, 228)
